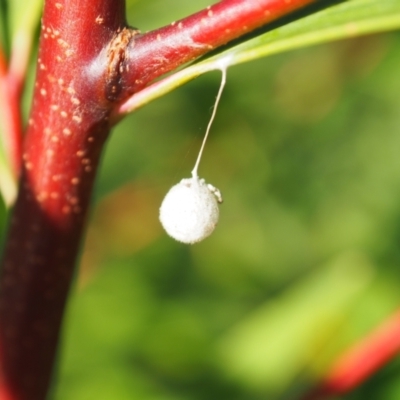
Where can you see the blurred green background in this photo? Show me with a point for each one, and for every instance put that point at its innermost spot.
(305, 260)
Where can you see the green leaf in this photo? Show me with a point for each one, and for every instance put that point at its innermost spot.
(23, 19)
(346, 20)
(8, 184)
(24, 16)
(3, 29)
(270, 347)
(350, 19)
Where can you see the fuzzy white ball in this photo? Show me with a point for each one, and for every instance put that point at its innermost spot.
(189, 211)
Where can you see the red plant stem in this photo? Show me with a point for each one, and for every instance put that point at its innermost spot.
(3, 63)
(67, 129)
(20, 54)
(10, 116)
(360, 362)
(83, 70)
(12, 80)
(185, 40)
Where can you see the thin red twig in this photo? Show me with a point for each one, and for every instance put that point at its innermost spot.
(361, 361)
(10, 99)
(3, 63)
(155, 53)
(10, 114)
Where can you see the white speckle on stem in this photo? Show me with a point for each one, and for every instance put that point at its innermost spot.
(77, 119)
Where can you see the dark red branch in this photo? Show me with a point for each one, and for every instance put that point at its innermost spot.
(67, 129)
(360, 362)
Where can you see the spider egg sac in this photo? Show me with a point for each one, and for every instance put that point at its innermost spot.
(189, 211)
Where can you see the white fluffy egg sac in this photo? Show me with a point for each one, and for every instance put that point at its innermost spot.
(189, 211)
